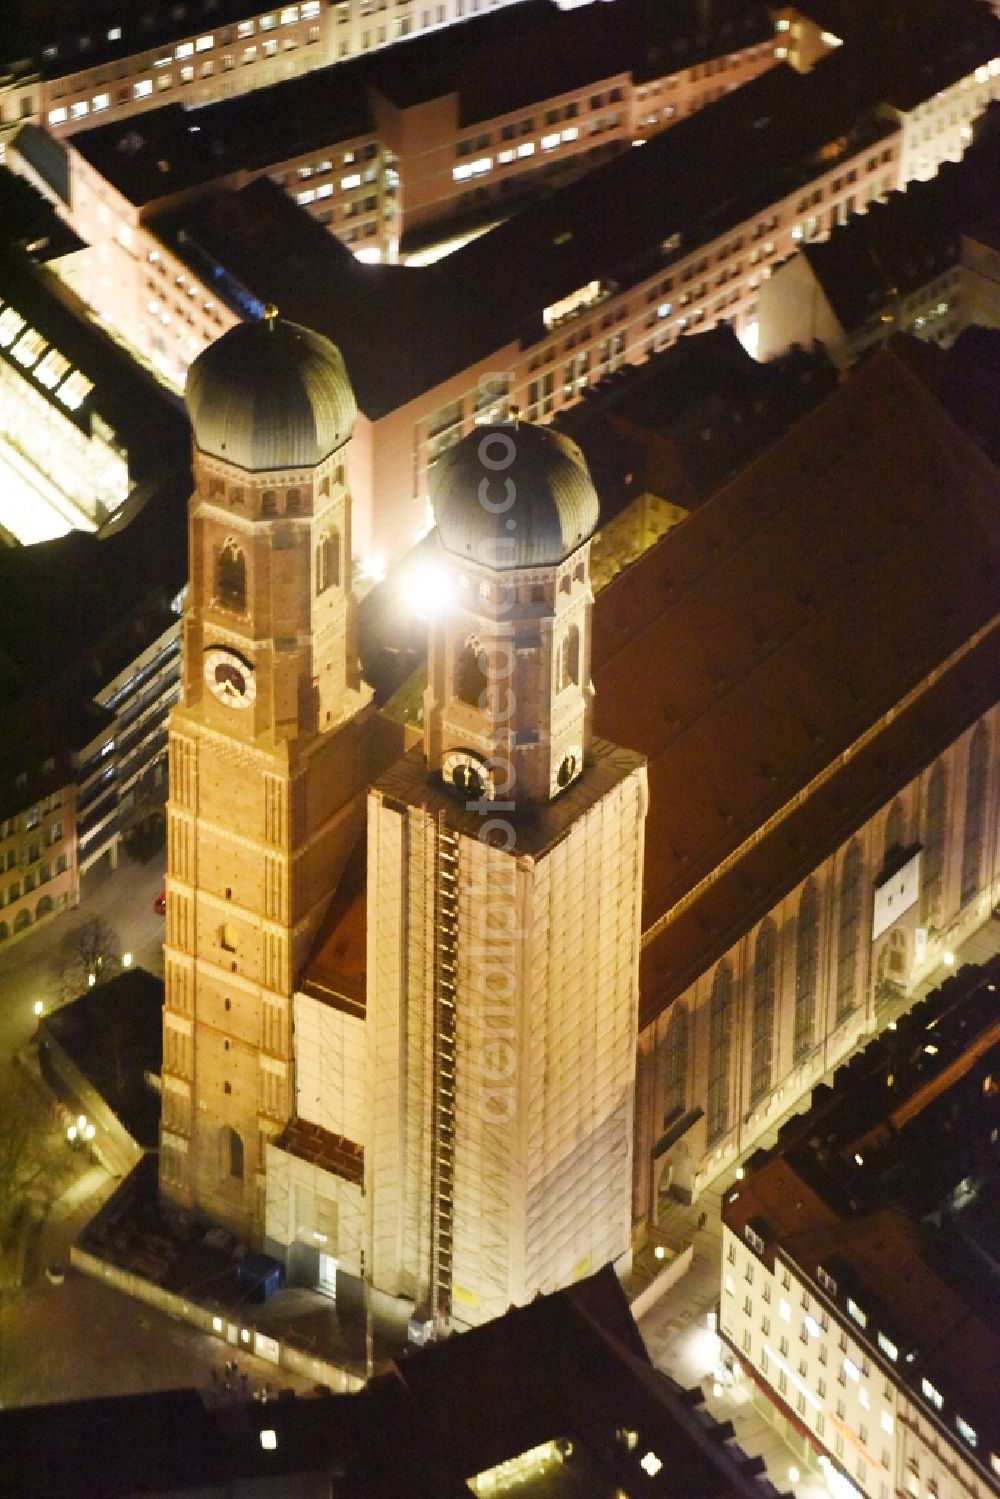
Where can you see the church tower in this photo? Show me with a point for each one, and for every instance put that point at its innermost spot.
(504, 887)
(266, 773)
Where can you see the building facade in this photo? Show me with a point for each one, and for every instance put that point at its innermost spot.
(171, 292)
(464, 1114)
(102, 70)
(265, 773)
(861, 1341)
(464, 1056)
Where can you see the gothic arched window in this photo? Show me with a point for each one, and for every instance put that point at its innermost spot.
(762, 1016)
(933, 840)
(231, 577)
(806, 968)
(328, 562)
(720, 1019)
(975, 812)
(232, 1153)
(568, 672)
(894, 828)
(848, 928)
(675, 1060)
(471, 680)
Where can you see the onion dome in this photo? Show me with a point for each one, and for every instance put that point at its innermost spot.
(270, 395)
(513, 495)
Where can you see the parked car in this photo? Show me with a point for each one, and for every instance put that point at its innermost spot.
(160, 903)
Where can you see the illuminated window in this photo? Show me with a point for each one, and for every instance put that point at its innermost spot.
(57, 116)
(527, 149)
(100, 101)
(184, 49)
(11, 323)
(350, 182)
(79, 109)
(51, 370)
(143, 88)
(550, 142)
(28, 349)
(966, 1432)
(74, 390)
(204, 43)
(289, 14)
(244, 29)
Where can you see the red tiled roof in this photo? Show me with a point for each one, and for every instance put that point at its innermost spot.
(311, 1142)
(756, 644)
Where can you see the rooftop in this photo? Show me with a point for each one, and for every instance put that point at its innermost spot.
(402, 329)
(312, 1143)
(687, 420)
(889, 1184)
(538, 828)
(566, 1374)
(906, 242)
(114, 1034)
(548, 52)
(824, 625)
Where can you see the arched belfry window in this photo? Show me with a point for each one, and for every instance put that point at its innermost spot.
(328, 562)
(720, 1020)
(231, 577)
(568, 672)
(806, 970)
(293, 502)
(471, 680)
(762, 1018)
(232, 1153)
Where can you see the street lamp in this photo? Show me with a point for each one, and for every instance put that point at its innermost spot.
(38, 1007)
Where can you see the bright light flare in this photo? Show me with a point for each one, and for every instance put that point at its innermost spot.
(427, 590)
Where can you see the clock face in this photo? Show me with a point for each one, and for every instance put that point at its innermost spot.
(468, 774)
(229, 678)
(568, 769)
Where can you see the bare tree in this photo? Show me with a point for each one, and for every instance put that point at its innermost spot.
(29, 1158)
(89, 954)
